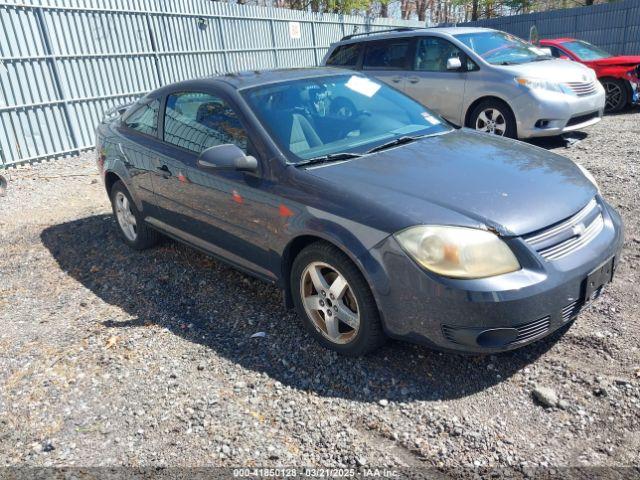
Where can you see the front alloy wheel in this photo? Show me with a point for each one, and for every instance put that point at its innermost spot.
(493, 116)
(493, 121)
(329, 302)
(334, 300)
(616, 95)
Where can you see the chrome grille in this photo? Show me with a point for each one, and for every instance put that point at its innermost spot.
(569, 235)
(582, 89)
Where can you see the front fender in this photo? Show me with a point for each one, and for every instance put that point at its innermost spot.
(353, 238)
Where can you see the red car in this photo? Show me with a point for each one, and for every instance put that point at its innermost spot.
(619, 75)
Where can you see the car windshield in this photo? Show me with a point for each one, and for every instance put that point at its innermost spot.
(585, 51)
(341, 116)
(500, 48)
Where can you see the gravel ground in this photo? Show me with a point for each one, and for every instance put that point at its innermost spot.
(114, 357)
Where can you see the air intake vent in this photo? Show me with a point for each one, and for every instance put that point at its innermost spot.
(571, 310)
(526, 332)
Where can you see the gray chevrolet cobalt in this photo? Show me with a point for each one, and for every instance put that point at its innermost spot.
(374, 216)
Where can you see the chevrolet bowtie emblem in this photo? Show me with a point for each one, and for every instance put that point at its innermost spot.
(578, 229)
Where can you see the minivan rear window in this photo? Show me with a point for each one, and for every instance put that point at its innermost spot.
(345, 56)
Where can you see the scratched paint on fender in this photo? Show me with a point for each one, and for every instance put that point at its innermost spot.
(285, 211)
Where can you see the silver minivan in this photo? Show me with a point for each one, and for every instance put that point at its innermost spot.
(480, 78)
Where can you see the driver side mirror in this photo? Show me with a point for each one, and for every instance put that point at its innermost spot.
(226, 157)
(564, 57)
(454, 63)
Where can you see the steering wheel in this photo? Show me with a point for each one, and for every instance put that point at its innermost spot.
(344, 109)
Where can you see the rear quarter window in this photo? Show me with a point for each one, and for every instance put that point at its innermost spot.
(144, 117)
(345, 55)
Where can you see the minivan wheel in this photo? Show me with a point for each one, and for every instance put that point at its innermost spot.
(493, 116)
(617, 94)
(334, 301)
(131, 226)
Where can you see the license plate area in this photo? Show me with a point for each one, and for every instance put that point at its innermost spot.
(597, 279)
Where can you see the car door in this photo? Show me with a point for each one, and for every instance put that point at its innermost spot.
(431, 83)
(215, 210)
(388, 60)
(137, 132)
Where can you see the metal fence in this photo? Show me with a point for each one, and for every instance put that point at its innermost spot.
(612, 26)
(63, 63)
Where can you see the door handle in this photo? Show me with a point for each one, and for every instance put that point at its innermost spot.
(414, 79)
(166, 173)
(396, 79)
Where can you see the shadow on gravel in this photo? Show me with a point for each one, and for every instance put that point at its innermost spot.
(213, 305)
(562, 141)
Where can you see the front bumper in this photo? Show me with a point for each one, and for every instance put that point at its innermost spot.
(544, 114)
(452, 314)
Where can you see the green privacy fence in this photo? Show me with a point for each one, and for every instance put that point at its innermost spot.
(63, 63)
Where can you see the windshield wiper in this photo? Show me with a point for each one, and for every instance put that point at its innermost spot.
(542, 58)
(331, 157)
(394, 142)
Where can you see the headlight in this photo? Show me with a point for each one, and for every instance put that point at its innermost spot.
(589, 176)
(458, 252)
(540, 84)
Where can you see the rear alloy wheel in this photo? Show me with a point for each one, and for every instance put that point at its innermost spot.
(334, 301)
(126, 218)
(131, 226)
(493, 116)
(617, 94)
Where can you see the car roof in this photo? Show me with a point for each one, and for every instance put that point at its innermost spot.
(409, 32)
(557, 40)
(253, 78)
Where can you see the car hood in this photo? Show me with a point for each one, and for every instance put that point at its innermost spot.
(559, 70)
(504, 184)
(630, 60)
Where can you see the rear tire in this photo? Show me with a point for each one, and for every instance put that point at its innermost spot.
(494, 116)
(618, 94)
(334, 301)
(130, 223)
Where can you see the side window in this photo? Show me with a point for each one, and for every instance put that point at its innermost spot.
(197, 121)
(345, 55)
(144, 118)
(386, 55)
(555, 51)
(432, 54)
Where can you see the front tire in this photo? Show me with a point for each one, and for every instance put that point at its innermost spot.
(334, 301)
(618, 94)
(131, 226)
(494, 116)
